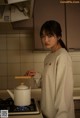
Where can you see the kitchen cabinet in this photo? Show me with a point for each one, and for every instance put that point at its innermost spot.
(77, 108)
(73, 25)
(68, 15)
(47, 10)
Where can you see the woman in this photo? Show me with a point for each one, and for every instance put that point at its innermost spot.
(57, 78)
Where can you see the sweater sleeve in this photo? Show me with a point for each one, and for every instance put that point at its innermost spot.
(64, 86)
(37, 79)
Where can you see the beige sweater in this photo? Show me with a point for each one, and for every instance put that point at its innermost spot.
(57, 86)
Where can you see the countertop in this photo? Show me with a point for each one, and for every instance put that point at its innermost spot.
(27, 116)
(76, 93)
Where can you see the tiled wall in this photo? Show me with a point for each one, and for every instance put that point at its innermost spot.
(76, 67)
(16, 57)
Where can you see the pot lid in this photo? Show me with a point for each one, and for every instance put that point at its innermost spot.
(22, 86)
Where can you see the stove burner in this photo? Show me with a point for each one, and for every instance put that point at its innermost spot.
(24, 108)
(8, 104)
(29, 108)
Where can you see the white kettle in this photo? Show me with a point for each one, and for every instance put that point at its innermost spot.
(21, 96)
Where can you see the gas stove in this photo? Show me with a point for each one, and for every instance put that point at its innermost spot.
(8, 104)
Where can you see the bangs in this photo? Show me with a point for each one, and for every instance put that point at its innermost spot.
(51, 28)
(46, 32)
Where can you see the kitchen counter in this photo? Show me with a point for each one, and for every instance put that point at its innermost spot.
(27, 116)
(76, 93)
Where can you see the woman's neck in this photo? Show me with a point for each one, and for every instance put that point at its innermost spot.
(55, 48)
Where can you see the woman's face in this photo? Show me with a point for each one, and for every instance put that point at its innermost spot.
(49, 41)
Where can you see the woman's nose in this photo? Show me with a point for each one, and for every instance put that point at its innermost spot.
(45, 38)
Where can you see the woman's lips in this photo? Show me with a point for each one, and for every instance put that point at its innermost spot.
(46, 44)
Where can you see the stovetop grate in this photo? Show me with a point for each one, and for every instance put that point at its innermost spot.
(8, 104)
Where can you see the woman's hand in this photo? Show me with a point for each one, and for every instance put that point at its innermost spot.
(30, 73)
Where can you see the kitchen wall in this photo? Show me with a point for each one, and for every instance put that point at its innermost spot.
(16, 57)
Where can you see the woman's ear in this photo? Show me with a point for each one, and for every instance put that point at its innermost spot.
(59, 37)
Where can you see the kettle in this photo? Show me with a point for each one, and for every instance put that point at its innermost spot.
(21, 95)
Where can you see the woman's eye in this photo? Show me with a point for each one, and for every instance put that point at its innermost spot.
(49, 35)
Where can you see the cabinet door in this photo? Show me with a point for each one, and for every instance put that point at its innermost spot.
(73, 25)
(47, 10)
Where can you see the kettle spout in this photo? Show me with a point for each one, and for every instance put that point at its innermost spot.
(11, 94)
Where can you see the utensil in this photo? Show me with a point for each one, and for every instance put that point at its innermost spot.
(21, 95)
(23, 77)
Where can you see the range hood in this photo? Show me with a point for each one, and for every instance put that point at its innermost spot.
(13, 1)
(14, 11)
(2, 2)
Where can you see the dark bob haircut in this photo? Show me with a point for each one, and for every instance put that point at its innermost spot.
(51, 27)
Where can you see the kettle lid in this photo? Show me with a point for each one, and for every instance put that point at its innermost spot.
(22, 86)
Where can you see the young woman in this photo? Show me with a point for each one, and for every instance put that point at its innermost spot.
(57, 77)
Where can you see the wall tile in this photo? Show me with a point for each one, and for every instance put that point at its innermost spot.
(39, 67)
(76, 68)
(3, 45)
(3, 82)
(39, 57)
(23, 35)
(2, 36)
(3, 69)
(12, 82)
(13, 43)
(13, 35)
(3, 56)
(26, 66)
(26, 56)
(76, 80)
(13, 69)
(26, 43)
(13, 56)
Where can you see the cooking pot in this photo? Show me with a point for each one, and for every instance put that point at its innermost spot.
(21, 96)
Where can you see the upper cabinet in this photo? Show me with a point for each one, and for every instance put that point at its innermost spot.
(67, 14)
(47, 10)
(73, 25)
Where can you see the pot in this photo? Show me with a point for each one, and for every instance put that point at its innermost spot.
(21, 95)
